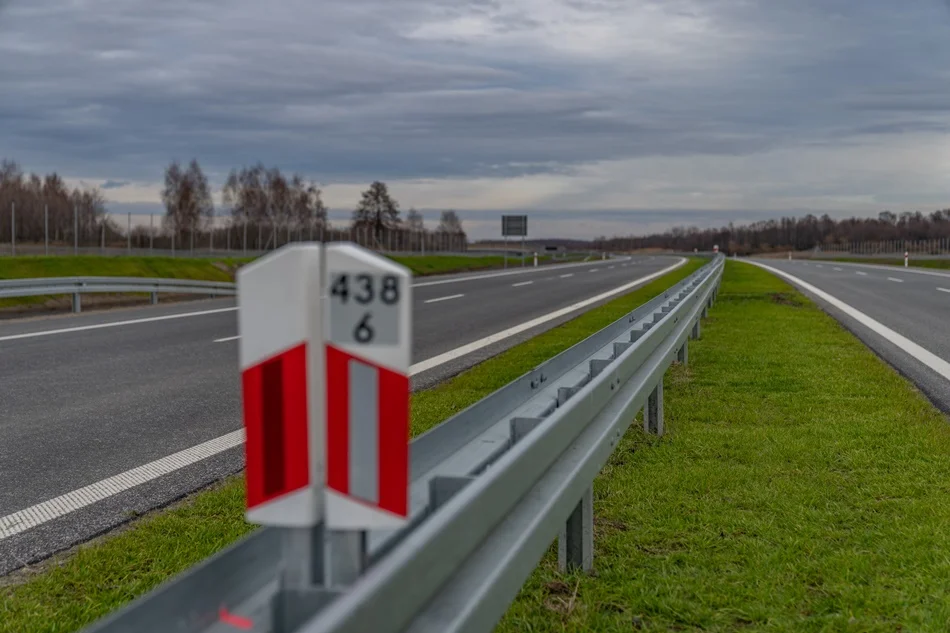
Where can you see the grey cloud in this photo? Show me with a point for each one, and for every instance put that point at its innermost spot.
(341, 92)
(114, 184)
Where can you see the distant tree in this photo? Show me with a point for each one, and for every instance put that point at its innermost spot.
(414, 220)
(449, 222)
(187, 198)
(376, 210)
(308, 209)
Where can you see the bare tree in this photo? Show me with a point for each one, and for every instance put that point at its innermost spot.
(449, 222)
(377, 210)
(308, 209)
(414, 220)
(187, 198)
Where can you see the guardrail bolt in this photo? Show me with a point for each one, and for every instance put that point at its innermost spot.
(575, 544)
(653, 411)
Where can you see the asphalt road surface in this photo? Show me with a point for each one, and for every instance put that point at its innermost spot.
(914, 303)
(89, 397)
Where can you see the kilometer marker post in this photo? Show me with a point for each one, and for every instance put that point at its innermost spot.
(368, 334)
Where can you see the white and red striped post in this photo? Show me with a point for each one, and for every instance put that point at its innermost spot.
(368, 332)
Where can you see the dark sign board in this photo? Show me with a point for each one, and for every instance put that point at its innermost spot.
(514, 225)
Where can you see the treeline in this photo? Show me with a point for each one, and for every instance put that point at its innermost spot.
(798, 234)
(262, 202)
(33, 200)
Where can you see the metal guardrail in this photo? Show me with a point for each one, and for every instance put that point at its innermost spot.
(76, 286)
(491, 488)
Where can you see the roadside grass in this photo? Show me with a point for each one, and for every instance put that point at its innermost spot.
(208, 269)
(802, 486)
(897, 261)
(73, 590)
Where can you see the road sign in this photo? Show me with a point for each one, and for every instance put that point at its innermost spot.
(281, 360)
(516, 225)
(368, 351)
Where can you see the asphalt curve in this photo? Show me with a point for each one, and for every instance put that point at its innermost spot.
(913, 303)
(86, 403)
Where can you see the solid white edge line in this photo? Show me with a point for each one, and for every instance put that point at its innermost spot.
(443, 298)
(227, 338)
(99, 326)
(71, 501)
(943, 289)
(931, 360)
(522, 283)
(40, 513)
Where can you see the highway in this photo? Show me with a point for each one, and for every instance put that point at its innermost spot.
(101, 400)
(912, 305)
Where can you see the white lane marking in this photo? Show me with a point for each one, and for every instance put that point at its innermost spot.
(592, 270)
(944, 289)
(819, 265)
(227, 338)
(71, 501)
(610, 267)
(567, 275)
(521, 283)
(524, 271)
(443, 298)
(838, 269)
(99, 326)
(64, 504)
(926, 357)
(909, 269)
(862, 273)
(895, 279)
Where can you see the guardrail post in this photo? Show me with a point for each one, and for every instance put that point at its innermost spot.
(682, 355)
(298, 597)
(575, 545)
(653, 411)
(346, 556)
(154, 298)
(77, 303)
(696, 328)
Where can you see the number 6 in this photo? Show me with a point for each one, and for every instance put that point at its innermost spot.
(363, 332)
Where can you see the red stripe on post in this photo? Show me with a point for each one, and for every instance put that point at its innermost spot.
(393, 442)
(276, 426)
(338, 417)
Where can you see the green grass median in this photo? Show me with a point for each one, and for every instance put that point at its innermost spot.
(803, 486)
(72, 590)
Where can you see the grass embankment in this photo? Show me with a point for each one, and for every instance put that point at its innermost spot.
(210, 269)
(76, 589)
(897, 261)
(803, 487)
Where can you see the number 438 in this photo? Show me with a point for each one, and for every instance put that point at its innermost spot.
(366, 289)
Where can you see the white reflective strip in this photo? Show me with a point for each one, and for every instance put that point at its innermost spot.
(363, 384)
(71, 501)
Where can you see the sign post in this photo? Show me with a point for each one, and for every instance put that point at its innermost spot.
(368, 332)
(282, 381)
(516, 225)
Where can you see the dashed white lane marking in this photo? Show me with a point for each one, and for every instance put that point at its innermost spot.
(71, 501)
(64, 504)
(838, 269)
(523, 271)
(944, 289)
(863, 274)
(226, 339)
(610, 267)
(592, 270)
(819, 265)
(567, 275)
(99, 326)
(438, 299)
(895, 279)
(925, 356)
(522, 283)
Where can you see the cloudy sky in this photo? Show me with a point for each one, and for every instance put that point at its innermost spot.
(593, 116)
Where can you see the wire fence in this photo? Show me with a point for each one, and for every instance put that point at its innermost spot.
(940, 246)
(117, 235)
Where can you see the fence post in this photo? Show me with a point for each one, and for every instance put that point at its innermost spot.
(130, 233)
(46, 229)
(245, 237)
(102, 240)
(653, 411)
(75, 231)
(228, 245)
(211, 236)
(575, 544)
(13, 228)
